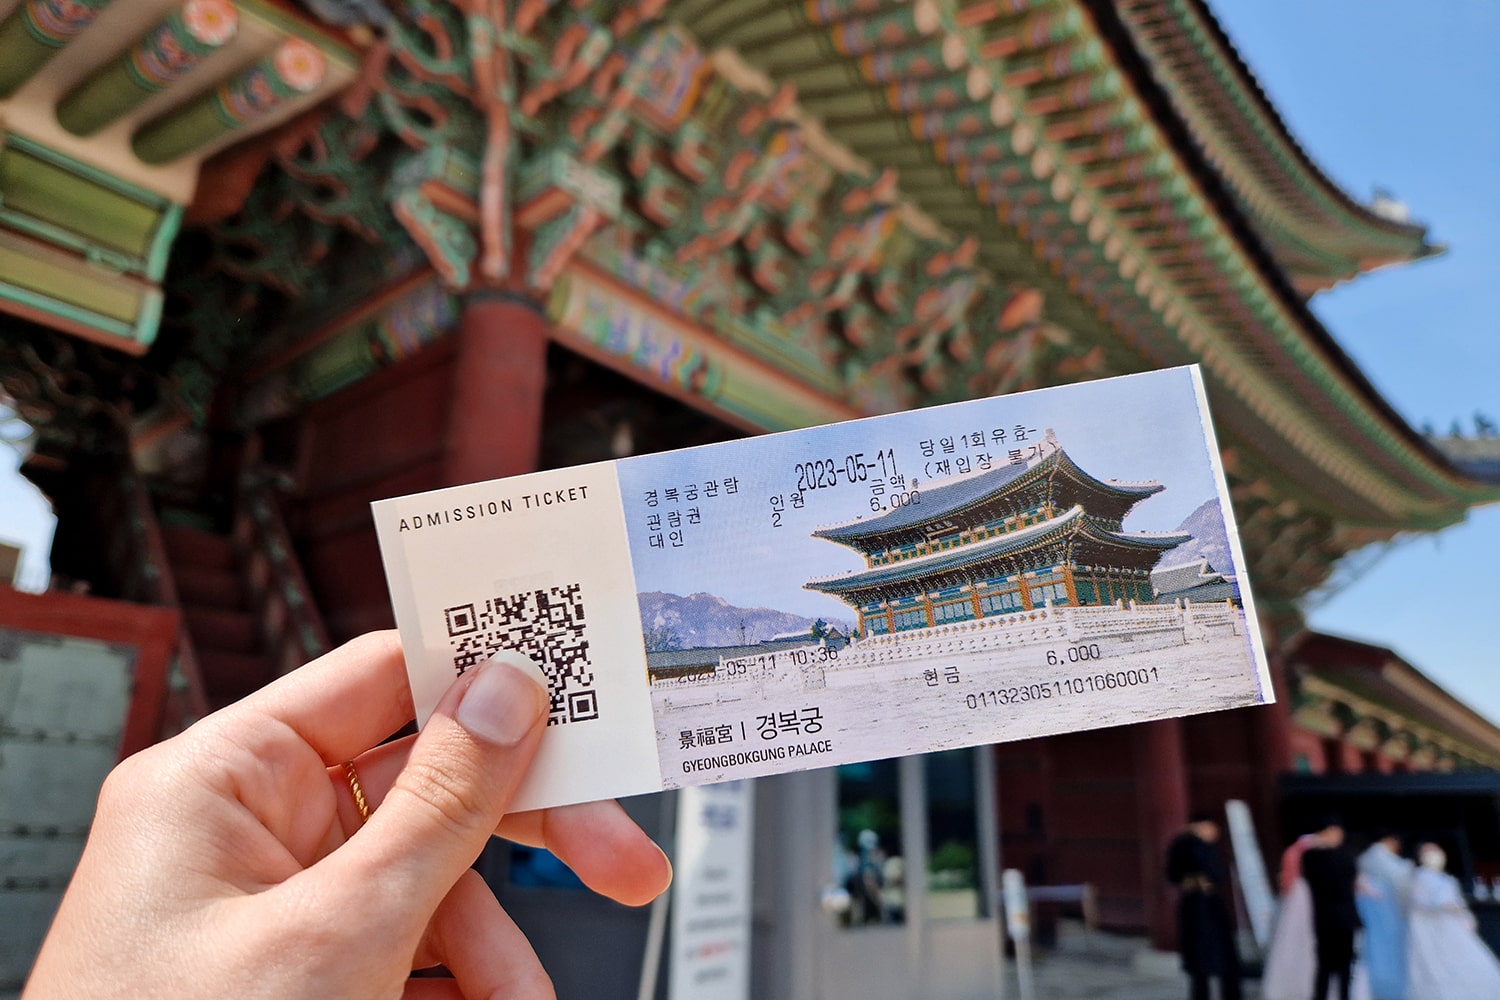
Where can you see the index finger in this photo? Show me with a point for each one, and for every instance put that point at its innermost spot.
(597, 840)
(601, 844)
(344, 702)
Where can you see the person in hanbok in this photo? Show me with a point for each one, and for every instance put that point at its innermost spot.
(1291, 858)
(1290, 961)
(1291, 964)
(1289, 967)
(1446, 959)
(1384, 893)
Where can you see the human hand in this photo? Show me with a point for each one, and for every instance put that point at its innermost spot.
(230, 861)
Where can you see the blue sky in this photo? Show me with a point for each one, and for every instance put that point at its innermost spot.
(25, 520)
(1401, 96)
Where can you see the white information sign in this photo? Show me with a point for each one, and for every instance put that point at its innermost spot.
(710, 944)
(1017, 907)
(1260, 901)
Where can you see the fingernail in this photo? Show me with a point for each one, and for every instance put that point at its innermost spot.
(504, 700)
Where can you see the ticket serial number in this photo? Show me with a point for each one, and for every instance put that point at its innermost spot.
(1061, 688)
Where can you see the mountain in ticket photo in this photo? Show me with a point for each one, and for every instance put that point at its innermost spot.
(1210, 539)
(703, 620)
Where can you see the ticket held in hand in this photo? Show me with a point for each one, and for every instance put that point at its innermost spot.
(993, 570)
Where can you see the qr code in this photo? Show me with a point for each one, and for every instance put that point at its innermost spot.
(548, 626)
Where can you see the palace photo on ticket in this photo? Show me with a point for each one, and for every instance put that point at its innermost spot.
(1014, 567)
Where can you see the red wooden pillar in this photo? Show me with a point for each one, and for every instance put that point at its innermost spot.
(1271, 754)
(499, 378)
(1162, 791)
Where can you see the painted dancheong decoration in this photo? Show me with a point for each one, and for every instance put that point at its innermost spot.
(809, 212)
(295, 68)
(884, 205)
(164, 55)
(36, 31)
(920, 581)
(107, 113)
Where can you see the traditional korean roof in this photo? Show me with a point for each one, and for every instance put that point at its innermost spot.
(107, 111)
(782, 212)
(1374, 683)
(1039, 128)
(1194, 581)
(1073, 521)
(1170, 579)
(1316, 231)
(953, 498)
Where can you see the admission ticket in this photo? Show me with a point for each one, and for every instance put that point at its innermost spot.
(1010, 567)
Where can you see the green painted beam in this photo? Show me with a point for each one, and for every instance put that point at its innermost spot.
(296, 67)
(35, 32)
(73, 205)
(99, 304)
(163, 55)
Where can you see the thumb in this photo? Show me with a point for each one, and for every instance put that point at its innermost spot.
(457, 784)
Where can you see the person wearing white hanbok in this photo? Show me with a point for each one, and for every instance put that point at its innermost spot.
(1385, 890)
(1291, 960)
(1446, 959)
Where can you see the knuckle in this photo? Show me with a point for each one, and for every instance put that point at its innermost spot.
(308, 944)
(120, 784)
(453, 802)
(130, 779)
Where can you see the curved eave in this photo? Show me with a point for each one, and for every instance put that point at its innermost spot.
(1335, 666)
(1123, 489)
(1072, 521)
(1119, 211)
(963, 497)
(1323, 378)
(937, 502)
(1319, 233)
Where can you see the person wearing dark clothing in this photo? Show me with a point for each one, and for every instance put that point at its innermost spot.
(1205, 929)
(1330, 872)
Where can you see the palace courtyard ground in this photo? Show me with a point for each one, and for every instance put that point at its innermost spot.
(1096, 966)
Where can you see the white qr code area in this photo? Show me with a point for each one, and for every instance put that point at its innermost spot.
(548, 626)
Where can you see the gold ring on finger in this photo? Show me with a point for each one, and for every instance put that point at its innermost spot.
(357, 790)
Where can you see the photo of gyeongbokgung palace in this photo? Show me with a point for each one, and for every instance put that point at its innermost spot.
(1016, 538)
